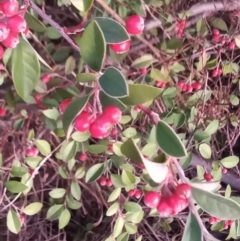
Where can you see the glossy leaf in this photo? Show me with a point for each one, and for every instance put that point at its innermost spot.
(73, 109)
(128, 178)
(97, 148)
(81, 136)
(118, 227)
(143, 62)
(82, 5)
(75, 190)
(205, 150)
(132, 207)
(94, 172)
(112, 209)
(70, 65)
(69, 151)
(15, 187)
(131, 228)
(64, 218)
(72, 203)
(43, 146)
(33, 208)
(216, 205)
(140, 94)
(168, 140)
(230, 161)
(113, 83)
(117, 180)
(51, 114)
(93, 46)
(192, 231)
(25, 69)
(115, 194)
(13, 222)
(123, 237)
(18, 171)
(207, 186)
(57, 193)
(212, 127)
(85, 77)
(54, 212)
(80, 172)
(113, 31)
(34, 23)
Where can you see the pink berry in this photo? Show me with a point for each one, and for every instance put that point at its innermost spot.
(64, 104)
(113, 114)
(46, 78)
(163, 208)
(232, 45)
(4, 31)
(102, 181)
(17, 24)
(216, 32)
(108, 182)
(82, 121)
(2, 111)
(208, 177)
(196, 86)
(121, 48)
(82, 157)
(134, 24)
(11, 41)
(137, 194)
(224, 170)
(183, 190)
(131, 192)
(152, 199)
(100, 128)
(10, 7)
(143, 71)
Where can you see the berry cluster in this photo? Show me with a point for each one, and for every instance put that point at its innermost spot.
(11, 24)
(226, 224)
(217, 37)
(189, 88)
(217, 72)
(135, 193)
(179, 28)
(105, 182)
(134, 25)
(100, 126)
(170, 204)
(160, 84)
(32, 152)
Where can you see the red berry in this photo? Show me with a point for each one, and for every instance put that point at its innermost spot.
(17, 24)
(182, 23)
(179, 34)
(216, 38)
(114, 132)
(152, 199)
(113, 114)
(137, 194)
(216, 32)
(220, 71)
(102, 181)
(183, 190)
(189, 88)
(11, 41)
(225, 225)
(83, 121)
(232, 44)
(100, 128)
(131, 192)
(164, 208)
(184, 88)
(196, 85)
(137, 108)
(82, 157)
(10, 7)
(26, 31)
(177, 203)
(143, 71)
(64, 104)
(230, 222)
(2, 111)
(212, 220)
(46, 78)
(4, 31)
(38, 98)
(224, 170)
(208, 177)
(215, 73)
(180, 84)
(35, 151)
(223, 40)
(110, 147)
(109, 182)
(22, 219)
(121, 47)
(134, 24)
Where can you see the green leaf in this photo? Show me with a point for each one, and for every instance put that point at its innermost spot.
(25, 69)
(117, 180)
(13, 222)
(64, 218)
(70, 65)
(85, 77)
(57, 193)
(69, 151)
(81, 136)
(113, 31)
(54, 212)
(94, 172)
(216, 205)
(43, 146)
(82, 5)
(201, 135)
(73, 204)
(122, 237)
(33, 208)
(168, 140)
(73, 109)
(205, 150)
(230, 161)
(51, 114)
(113, 83)
(33, 23)
(93, 46)
(52, 33)
(112, 209)
(136, 217)
(97, 148)
(131, 228)
(115, 194)
(212, 127)
(219, 23)
(128, 178)
(192, 231)
(14, 186)
(80, 172)
(75, 190)
(140, 94)
(132, 207)
(118, 227)
(18, 171)
(142, 62)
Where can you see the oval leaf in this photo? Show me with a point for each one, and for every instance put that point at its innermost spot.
(112, 209)
(115, 194)
(230, 161)
(33, 208)
(205, 150)
(64, 218)
(43, 146)
(94, 172)
(57, 193)
(85, 77)
(15, 187)
(216, 205)
(143, 62)
(140, 94)
(54, 212)
(13, 222)
(168, 141)
(113, 83)
(113, 31)
(33, 23)
(118, 227)
(75, 190)
(25, 69)
(82, 5)
(93, 46)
